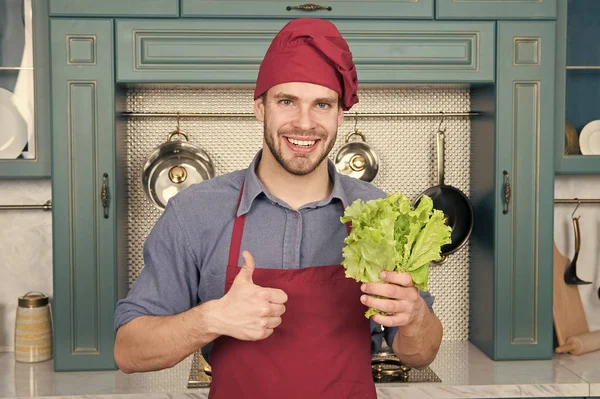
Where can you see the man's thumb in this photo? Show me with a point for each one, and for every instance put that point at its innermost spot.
(245, 273)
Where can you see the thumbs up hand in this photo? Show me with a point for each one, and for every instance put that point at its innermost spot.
(250, 312)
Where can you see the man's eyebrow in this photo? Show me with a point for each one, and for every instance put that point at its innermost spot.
(281, 95)
(327, 100)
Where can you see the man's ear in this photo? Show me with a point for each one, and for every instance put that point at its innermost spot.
(259, 109)
(340, 116)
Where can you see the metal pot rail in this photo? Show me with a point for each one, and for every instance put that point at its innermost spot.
(46, 207)
(251, 115)
(577, 201)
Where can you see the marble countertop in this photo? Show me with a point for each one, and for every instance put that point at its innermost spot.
(464, 370)
(585, 366)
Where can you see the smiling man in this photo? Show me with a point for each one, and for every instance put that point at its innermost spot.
(247, 267)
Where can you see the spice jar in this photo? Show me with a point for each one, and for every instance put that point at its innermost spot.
(33, 328)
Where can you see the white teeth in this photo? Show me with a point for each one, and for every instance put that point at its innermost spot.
(302, 142)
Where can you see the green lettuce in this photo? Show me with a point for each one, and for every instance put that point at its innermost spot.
(388, 234)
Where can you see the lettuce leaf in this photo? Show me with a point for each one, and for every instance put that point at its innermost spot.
(388, 234)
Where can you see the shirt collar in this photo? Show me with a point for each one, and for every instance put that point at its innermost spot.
(253, 187)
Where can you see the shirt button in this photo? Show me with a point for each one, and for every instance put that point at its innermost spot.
(295, 215)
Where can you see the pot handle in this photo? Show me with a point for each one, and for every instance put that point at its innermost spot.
(355, 132)
(440, 157)
(173, 133)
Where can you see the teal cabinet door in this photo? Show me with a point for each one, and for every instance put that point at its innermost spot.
(83, 187)
(513, 190)
(114, 8)
(225, 51)
(494, 9)
(356, 9)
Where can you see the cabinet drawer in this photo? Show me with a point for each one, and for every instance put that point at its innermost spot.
(387, 9)
(494, 9)
(115, 8)
(211, 51)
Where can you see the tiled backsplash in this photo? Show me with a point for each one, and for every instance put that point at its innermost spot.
(406, 147)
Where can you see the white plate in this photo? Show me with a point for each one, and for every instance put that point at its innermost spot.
(589, 138)
(13, 128)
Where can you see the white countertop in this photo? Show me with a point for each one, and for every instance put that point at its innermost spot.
(465, 373)
(585, 366)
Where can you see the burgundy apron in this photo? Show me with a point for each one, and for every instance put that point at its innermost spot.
(320, 350)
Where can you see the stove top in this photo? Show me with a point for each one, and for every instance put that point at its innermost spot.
(199, 372)
(411, 375)
(386, 369)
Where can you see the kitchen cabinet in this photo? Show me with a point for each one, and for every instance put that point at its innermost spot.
(578, 86)
(115, 8)
(512, 189)
(222, 51)
(494, 9)
(509, 66)
(84, 183)
(355, 9)
(38, 166)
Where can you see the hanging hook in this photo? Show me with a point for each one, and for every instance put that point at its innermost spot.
(178, 117)
(441, 122)
(574, 210)
(356, 122)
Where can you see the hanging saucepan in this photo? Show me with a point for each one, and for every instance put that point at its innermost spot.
(174, 166)
(357, 158)
(454, 203)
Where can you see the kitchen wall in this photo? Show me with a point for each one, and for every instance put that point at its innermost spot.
(588, 263)
(25, 250)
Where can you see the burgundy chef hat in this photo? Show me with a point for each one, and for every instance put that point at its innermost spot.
(310, 50)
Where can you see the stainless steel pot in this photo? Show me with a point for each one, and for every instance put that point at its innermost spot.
(174, 166)
(357, 158)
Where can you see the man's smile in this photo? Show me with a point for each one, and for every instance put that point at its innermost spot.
(301, 144)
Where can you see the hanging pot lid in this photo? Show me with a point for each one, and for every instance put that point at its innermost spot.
(357, 159)
(174, 166)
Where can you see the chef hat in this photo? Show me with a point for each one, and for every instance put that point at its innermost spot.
(310, 50)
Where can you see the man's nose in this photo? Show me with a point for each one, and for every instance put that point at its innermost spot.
(305, 119)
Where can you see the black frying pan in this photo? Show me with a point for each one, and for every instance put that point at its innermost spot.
(454, 203)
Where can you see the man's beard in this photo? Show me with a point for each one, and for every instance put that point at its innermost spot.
(305, 168)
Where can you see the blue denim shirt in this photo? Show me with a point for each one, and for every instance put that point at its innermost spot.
(186, 252)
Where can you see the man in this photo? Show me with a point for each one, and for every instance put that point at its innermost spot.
(287, 323)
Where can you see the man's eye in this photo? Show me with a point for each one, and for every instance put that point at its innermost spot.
(323, 105)
(286, 102)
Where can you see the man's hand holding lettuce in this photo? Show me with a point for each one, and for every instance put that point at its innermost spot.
(389, 235)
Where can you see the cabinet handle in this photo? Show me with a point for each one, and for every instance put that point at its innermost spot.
(506, 192)
(308, 7)
(104, 195)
